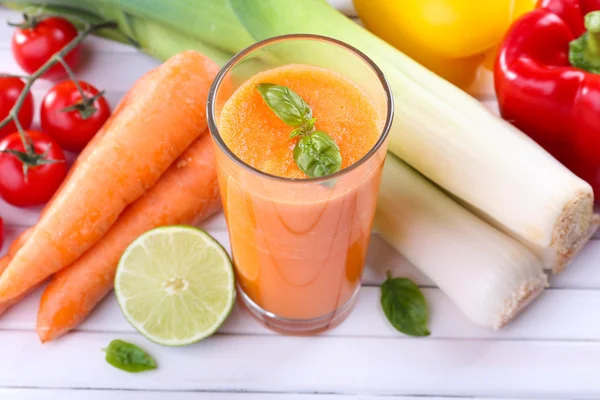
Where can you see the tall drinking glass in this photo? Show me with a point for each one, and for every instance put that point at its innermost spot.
(299, 245)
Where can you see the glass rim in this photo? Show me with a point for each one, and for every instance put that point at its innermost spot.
(214, 130)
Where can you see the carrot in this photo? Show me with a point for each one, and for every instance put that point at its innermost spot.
(163, 118)
(22, 238)
(4, 261)
(185, 194)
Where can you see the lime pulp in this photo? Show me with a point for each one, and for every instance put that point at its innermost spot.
(175, 285)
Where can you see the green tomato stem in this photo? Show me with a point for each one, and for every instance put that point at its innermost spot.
(72, 76)
(29, 22)
(14, 76)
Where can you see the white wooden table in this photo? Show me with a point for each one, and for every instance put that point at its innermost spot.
(552, 351)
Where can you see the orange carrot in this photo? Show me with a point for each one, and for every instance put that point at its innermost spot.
(4, 261)
(22, 238)
(163, 117)
(185, 194)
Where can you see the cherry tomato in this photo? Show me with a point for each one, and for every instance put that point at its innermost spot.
(42, 180)
(10, 89)
(33, 46)
(70, 129)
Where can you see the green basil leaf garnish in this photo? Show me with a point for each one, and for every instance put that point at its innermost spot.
(317, 155)
(128, 357)
(404, 306)
(286, 103)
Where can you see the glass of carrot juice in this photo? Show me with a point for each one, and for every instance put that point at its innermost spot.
(299, 125)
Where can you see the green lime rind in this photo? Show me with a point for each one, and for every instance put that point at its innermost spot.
(175, 285)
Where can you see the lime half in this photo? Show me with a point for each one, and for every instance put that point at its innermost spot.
(175, 285)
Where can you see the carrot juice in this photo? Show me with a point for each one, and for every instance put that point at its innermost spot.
(299, 191)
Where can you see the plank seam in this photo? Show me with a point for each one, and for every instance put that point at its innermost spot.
(247, 391)
(349, 336)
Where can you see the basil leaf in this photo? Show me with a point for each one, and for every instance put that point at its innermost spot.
(286, 103)
(404, 306)
(317, 155)
(128, 357)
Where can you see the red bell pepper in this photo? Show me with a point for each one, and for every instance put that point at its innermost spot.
(548, 84)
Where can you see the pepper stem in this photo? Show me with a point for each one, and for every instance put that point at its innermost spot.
(592, 25)
(584, 52)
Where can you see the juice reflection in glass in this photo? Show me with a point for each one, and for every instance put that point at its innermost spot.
(299, 244)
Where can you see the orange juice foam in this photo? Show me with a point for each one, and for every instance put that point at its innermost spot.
(255, 134)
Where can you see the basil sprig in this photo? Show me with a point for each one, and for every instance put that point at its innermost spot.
(316, 153)
(404, 306)
(128, 357)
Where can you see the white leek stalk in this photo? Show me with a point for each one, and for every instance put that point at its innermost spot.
(489, 275)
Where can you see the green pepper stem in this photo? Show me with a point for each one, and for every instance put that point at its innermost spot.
(592, 25)
(584, 52)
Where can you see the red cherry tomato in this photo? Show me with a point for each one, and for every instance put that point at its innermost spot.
(69, 128)
(42, 181)
(10, 89)
(32, 47)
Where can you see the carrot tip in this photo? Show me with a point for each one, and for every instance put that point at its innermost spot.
(44, 334)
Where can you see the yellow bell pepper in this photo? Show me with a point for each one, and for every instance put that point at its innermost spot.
(450, 37)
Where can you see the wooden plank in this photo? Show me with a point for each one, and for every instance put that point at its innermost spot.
(113, 72)
(555, 315)
(90, 394)
(584, 272)
(275, 364)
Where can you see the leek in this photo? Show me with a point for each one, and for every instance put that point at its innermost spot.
(489, 275)
(441, 131)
